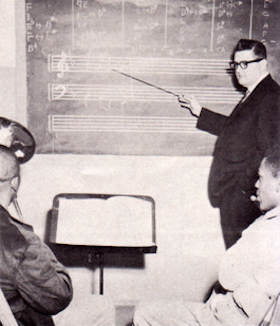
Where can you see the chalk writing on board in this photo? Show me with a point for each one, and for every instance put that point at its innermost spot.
(96, 92)
(87, 16)
(76, 123)
(268, 30)
(79, 64)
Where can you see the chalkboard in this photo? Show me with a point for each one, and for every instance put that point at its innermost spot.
(78, 103)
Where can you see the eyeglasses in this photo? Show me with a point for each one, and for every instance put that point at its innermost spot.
(243, 64)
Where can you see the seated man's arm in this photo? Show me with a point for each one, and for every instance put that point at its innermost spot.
(255, 290)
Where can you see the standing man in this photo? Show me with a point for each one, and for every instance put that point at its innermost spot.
(34, 283)
(243, 137)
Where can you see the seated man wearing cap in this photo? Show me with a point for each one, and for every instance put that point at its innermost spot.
(249, 271)
(34, 283)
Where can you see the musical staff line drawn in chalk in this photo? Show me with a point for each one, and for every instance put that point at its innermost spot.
(82, 92)
(86, 123)
(62, 64)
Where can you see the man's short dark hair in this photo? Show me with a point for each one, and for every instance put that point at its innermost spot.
(272, 160)
(257, 47)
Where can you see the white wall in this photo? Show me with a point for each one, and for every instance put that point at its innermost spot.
(188, 231)
(187, 228)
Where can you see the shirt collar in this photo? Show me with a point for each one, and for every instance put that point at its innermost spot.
(252, 87)
(272, 213)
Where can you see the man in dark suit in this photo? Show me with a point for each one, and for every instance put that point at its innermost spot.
(243, 137)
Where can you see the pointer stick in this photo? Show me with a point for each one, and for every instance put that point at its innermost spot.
(160, 88)
(149, 84)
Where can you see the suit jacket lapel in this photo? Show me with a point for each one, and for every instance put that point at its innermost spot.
(245, 102)
(237, 109)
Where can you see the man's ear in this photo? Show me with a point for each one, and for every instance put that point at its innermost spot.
(15, 184)
(278, 183)
(264, 65)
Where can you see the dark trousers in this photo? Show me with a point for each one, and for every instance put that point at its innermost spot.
(237, 213)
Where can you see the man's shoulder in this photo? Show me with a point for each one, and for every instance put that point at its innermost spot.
(20, 224)
(4, 217)
(266, 94)
(270, 84)
(10, 236)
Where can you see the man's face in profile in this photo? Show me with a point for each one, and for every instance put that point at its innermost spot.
(252, 73)
(267, 188)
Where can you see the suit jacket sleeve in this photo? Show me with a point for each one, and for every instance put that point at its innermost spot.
(211, 122)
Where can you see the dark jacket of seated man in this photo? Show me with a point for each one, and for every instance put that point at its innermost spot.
(34, 283)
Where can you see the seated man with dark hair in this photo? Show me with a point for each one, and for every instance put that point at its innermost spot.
(249, 271)
(34, 283)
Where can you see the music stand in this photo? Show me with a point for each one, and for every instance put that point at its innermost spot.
(102, 223)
